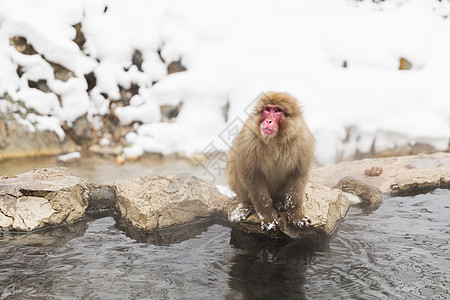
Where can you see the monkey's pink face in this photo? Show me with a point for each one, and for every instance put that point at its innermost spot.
(272, 116)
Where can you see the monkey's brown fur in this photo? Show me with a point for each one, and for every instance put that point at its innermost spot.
(270, 172)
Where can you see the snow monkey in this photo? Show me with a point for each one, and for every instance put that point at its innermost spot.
(270, 159)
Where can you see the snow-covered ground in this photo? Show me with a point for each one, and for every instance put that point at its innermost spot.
(233, 51)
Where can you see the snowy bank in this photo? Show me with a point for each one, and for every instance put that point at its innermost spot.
(370, 76)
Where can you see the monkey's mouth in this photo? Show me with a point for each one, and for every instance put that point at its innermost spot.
(268, 131)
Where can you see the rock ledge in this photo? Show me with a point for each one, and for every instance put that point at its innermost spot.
(325, 207)
(42, 197)
(150, 203)
(401, 175)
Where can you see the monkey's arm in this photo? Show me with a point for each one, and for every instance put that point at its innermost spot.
(262, 201)
(293, 195)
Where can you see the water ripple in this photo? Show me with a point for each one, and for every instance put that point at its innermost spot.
(399, 251)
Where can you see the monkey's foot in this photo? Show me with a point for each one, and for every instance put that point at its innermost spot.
(270, 226)
(269, 223)
(241, 212)
(304, 222)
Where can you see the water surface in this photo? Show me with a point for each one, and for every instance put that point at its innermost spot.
(399, 251)
(104, 170)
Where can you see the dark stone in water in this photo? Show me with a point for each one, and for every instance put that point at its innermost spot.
(101, 197)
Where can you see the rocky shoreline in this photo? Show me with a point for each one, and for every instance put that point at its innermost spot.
(53, 196)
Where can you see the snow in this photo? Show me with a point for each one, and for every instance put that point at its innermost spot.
(352, 198)
(69, 156)
(239, 213)
(105, 142)
(225, 190)
(233, 51)
(272, 225)
(44, 123)
(42, 103)
(139, 110)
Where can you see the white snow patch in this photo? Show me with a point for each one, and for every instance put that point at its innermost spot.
(225, 190)
(105, 142)
(352, 198)
(42, 103)
(300, 49)
(44, 123)
(145, 111)
(272, 225)
(239, 213)
(69, 156)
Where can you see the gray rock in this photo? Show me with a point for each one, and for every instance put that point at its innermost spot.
(101, 197)
(401, 175)
(170, 112)
(137, 59)
(175, 66)
(325, 207)
(150, 203)
(82, 132)
(42, 197)
(17, 140)
(80, 38)
(61, 72)
(21, 44)
(367, 193)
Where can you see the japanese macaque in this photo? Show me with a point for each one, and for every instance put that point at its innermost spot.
(270, 160)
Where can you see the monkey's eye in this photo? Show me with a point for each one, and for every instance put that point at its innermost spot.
(277, 110)
(267, 108)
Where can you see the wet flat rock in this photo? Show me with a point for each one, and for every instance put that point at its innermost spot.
(400, 175)
(150, 203)
(41, 197)
(325, 207)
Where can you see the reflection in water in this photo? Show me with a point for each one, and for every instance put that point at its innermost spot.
(23, 257)
(167, 236)
(399, 251)
(48, 237)
(268, 269)
(104, 263)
